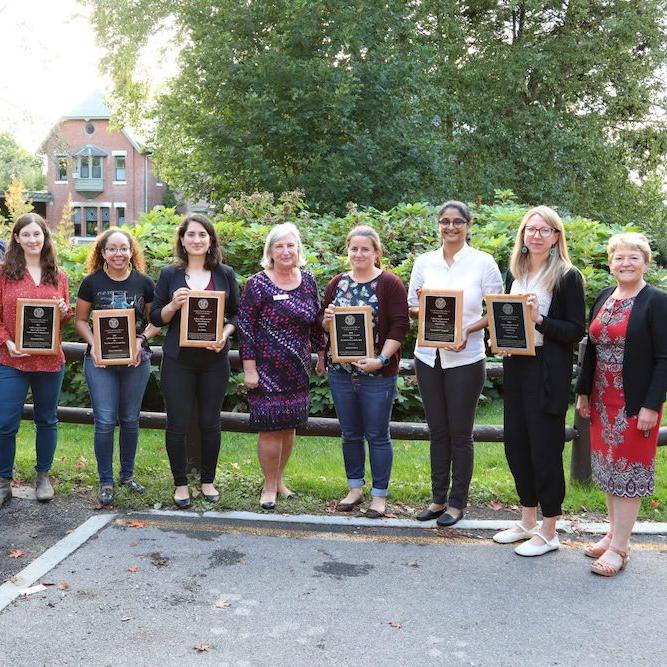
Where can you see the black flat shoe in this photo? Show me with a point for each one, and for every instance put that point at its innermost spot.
(268, 505)
(291, 496)
(427, 515)
(105, 496)
(448, 520)
(211, 499)
(348, 507)
(133, 485)
(373, 514)
(183, 503)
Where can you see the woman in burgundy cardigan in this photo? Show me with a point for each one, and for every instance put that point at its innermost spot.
(364, 391)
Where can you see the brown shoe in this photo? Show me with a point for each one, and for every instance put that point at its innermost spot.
(5, 490)
(43, 489)
(348, 507)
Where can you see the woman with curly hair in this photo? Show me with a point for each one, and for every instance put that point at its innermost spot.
(29, 271)
(116, 279)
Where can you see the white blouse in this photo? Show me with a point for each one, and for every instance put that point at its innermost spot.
(534, 286)
(473, 271)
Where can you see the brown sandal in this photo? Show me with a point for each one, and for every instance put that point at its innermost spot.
(605, 569)
(595, 551)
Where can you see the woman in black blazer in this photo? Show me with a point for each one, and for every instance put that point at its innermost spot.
(189, 373)
(536, 389)
(621, 388)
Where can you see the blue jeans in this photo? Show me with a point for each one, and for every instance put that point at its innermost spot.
(363, 405)
(116, 393)
(14, 386)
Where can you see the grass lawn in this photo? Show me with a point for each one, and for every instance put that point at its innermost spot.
(315, 471)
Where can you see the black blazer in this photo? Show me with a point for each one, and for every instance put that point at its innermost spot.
(562, 328)
(645, 356)
(173, 277)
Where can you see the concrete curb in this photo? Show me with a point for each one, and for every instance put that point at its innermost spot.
(10, 590)
(566, 526)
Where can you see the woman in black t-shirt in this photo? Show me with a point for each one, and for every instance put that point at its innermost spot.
(116, 280)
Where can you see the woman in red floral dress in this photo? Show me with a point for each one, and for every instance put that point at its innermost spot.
(622, 388)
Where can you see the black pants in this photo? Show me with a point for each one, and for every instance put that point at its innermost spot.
(450, 398)
(534, 439)
(204, 378)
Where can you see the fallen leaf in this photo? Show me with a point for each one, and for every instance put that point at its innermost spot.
(201, 648)
(390, 515)
(393, 624)
(495, 505)
(136, 523)
(133, 569)
(158, 559)
(81, 464)
(17, 553)
(655, 504)
(133, 543)
(223, 604)
(63, 586)
(235, 465)
(48, 583)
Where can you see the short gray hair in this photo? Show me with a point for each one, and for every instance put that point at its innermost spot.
(278, 232)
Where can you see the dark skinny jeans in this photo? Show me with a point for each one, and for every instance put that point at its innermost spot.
(203, 377)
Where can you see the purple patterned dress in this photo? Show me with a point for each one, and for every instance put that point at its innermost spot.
(278, 329)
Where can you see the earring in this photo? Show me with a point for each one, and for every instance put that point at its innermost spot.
(524, 249)
(129, 266)
(552, 251)
(105, 267)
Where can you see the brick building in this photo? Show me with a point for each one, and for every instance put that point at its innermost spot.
(105, 171)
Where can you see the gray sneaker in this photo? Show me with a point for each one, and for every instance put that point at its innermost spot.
(43, 489)
(5, 490)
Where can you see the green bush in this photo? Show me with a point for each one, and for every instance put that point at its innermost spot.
(406, 230)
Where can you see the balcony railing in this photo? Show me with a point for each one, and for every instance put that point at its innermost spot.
(88, 184)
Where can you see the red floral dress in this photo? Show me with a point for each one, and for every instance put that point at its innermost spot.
(622, 458)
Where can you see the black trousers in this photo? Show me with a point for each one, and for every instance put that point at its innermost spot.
(534, 439)
(204, 378)
(450, 399)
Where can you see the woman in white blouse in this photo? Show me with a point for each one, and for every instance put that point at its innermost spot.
(451, 379)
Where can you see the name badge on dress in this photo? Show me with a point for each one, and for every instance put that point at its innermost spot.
(280, 297)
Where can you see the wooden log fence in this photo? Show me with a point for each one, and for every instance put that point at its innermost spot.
(235, 422)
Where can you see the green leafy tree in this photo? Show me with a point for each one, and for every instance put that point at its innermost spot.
(17, 162)
(16, 199)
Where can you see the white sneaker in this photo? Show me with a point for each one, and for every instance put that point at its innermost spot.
(528, 549)
(514, 534)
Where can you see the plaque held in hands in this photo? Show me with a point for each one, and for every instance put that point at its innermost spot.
(37, 326)
(202, 318)
(114, 336)
(440, 322)
(351, 335)
(510, 327)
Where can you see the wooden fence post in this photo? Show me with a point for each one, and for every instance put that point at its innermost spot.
(580, 462)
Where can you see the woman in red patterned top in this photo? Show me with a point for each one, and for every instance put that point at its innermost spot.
(30, 271)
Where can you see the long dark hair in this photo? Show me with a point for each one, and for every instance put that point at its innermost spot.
(14, 266)
(213, 256)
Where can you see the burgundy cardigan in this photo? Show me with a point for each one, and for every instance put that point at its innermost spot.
(393, 320)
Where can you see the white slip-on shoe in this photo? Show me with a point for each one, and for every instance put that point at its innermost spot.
(528, 549)
(514, 534)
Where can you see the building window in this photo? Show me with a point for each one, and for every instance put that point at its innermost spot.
(120, 216)
(119, 174)
(105, 217)
(90, 128)
(77, 221)
(61, 169)
(91, 221)
(90, 166)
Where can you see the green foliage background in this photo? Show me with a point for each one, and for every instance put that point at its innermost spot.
(406, 230)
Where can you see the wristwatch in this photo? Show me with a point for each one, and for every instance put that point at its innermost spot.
(383, 359)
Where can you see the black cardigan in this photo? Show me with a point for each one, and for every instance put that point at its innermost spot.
(172, 278)
(645, 356)
(562, 328)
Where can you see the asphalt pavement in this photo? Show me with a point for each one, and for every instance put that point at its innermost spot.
(167, 589)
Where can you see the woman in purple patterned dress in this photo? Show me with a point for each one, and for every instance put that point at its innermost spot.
(277, 331)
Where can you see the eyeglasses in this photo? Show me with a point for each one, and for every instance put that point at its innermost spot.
(456, 222)
(118, 251)
(544, 232)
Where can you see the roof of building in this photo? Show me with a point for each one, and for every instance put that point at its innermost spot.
(90, 107)
(90, 149)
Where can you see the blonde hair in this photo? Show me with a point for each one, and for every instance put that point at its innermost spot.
(367, 232)
(557, 265)
(278, 232)
(631, 240)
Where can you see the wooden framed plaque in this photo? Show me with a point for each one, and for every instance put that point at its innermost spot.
(202, 318)
(440, 321)
(351, 334)
(510, 327)
(37, 326)
(114, 336)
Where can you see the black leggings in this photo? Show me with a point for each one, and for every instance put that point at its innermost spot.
(204, 378)
(450, 398)
(534, 439)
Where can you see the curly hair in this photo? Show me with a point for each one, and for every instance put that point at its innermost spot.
(214, 254)
(95, 261)
(14, 265)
